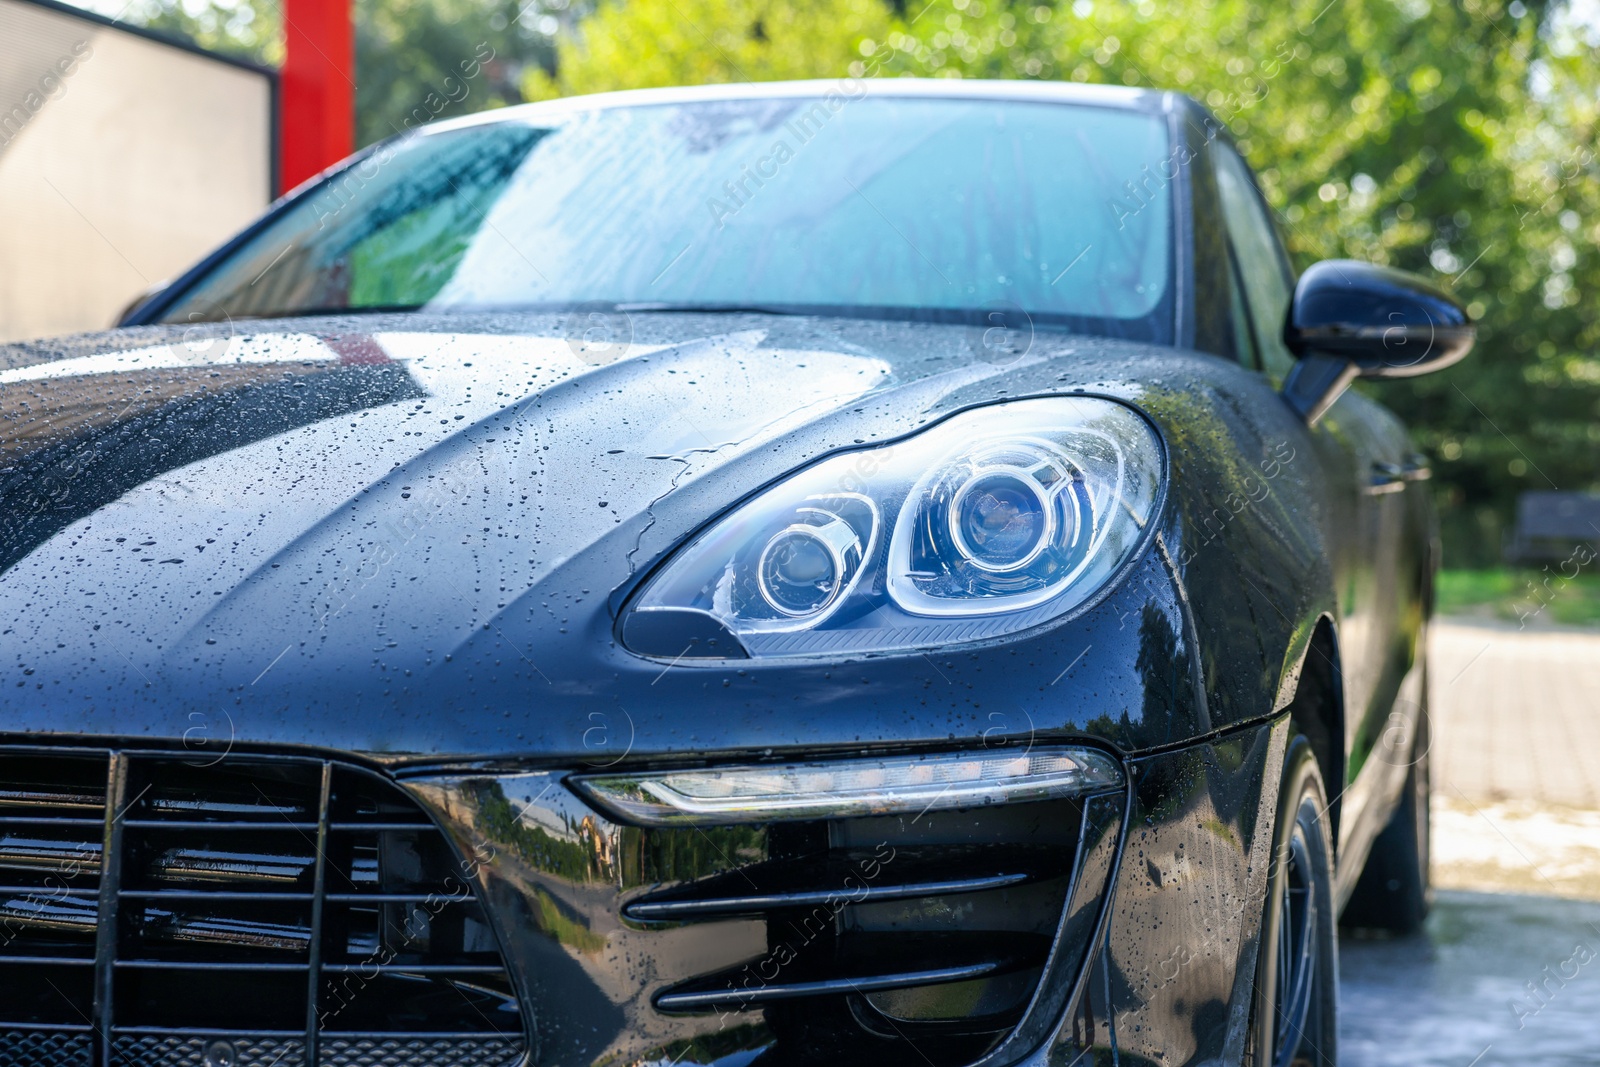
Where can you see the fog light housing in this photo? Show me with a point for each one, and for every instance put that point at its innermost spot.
(835, 789)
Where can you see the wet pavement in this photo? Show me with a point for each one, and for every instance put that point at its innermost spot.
(1507, 970)
(1496, 979)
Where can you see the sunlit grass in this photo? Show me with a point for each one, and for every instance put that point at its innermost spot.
(1523, 595)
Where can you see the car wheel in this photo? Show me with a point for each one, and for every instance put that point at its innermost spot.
(1297, 974)
(1394, 891)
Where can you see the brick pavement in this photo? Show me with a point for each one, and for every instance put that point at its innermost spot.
(1516, 713)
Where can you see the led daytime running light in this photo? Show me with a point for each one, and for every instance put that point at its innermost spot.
(851, 788)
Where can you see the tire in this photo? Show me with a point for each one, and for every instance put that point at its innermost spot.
(1394, 891)
(1295, 1022)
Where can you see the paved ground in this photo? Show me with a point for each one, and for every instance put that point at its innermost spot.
(1459, 996)
(1517, 713)
(1508, 968)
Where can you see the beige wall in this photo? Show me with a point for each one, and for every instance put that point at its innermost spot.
(122, 162)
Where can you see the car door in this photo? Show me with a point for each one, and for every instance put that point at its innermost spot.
(1363, 451)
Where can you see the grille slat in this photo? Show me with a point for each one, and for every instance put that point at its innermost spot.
(213, 824)
(319, 887)
(776, 885)
(841, 985)
(213, 895)
(257, 910)
(31, 852)
(37, 912)
(858, 966)
(105, 948)
(208, 966)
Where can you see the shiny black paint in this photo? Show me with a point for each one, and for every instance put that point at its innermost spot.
(597, 974)
(1205, 632)
(191, 417)
(1390, 323)
(517, 670)
(1179, 954)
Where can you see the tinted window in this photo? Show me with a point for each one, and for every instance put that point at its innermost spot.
(1259, 258)
(945, 207)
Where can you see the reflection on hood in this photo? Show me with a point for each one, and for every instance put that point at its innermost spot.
(77, 434)
(311, 489)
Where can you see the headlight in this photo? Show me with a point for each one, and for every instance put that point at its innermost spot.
(848, 788)
(992, 521)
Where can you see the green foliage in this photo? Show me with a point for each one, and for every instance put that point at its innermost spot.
(1531, 597)
(246, 29)
(571, 856)
(1451, 138)
(692, 42)
(419, 60)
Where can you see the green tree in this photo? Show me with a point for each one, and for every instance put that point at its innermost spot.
(418, 60)
(248, 29)
(694, 42)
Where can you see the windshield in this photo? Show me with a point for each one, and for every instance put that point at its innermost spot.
(938, 209)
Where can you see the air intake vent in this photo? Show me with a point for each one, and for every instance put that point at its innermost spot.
(254, 911)
(892, 941)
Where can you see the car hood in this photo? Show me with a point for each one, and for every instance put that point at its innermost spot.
(385, 533)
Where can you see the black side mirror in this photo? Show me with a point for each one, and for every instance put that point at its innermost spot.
(1351, 319)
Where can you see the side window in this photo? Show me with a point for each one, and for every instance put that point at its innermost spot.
(1258, 257)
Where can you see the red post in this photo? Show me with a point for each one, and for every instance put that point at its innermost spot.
(317, 113)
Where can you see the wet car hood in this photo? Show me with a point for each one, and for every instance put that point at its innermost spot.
(387, 532)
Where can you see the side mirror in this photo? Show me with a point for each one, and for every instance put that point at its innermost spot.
(1353, 320)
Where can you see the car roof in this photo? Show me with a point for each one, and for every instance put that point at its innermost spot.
(1112, 96)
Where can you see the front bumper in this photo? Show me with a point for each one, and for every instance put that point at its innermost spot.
(162, 906)
(1124, 920)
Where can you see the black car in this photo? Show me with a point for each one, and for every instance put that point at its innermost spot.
(822, 573)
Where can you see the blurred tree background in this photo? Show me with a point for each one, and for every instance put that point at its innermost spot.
(1457, 138)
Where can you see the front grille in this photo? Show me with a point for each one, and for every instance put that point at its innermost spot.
(224, 913)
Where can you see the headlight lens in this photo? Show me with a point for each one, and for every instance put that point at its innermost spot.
(995, 520)
(847, 788)
(1001, 518)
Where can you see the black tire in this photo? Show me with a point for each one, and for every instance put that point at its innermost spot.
(1395, 892)
(1297, 974)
